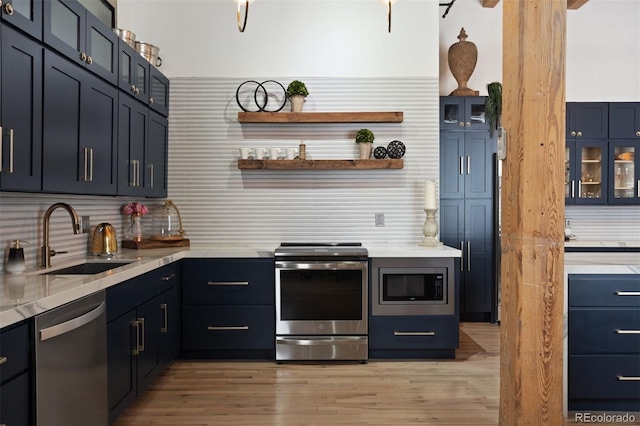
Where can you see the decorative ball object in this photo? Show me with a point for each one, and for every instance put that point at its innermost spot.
(380, 152)
(396, 149)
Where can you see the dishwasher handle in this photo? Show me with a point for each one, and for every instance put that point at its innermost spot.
(72, 324)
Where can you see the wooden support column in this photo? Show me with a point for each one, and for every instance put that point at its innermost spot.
(534, 33)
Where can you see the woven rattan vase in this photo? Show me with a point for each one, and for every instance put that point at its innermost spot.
(463, 56)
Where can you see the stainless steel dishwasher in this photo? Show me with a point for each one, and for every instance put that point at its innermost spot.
(71, 364)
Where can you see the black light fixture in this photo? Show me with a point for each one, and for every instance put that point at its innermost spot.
(242, 4)
(389, 3)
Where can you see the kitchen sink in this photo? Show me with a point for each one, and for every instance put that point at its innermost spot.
(87, 268)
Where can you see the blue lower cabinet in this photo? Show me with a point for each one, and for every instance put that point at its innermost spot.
(14, 401)
(15, 375)
(413, 336)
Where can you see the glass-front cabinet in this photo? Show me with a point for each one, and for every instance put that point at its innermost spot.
(585, 172)
(463, 113)
(23, 14)
(623, 172)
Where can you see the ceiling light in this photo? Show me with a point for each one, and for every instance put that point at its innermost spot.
(242, 4)
(388, 3)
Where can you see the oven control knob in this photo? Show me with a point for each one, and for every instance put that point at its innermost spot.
(321, 326)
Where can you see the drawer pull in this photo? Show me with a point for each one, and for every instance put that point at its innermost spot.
(228, 283)
(414, 333)
(627, 293)
(168, 277)
(619, 331)
(3, 360)
(629, 378)
(227, 328)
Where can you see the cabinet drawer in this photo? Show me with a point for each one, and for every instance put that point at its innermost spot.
(126, 296)
(604, 331)
(14, 351)
(228, 327)
(602, 377)
(413, 332)
(604, 290)
(229, 281)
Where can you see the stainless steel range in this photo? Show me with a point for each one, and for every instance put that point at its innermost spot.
(321, 301)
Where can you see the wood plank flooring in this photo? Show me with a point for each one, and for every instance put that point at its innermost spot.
(459, 392)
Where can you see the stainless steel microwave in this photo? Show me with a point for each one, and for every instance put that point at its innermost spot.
(412, 287)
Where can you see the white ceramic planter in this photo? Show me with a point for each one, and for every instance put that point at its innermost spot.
(296, 103)
(365, 150)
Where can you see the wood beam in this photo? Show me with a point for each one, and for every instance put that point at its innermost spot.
(571, 4)
(534, 34)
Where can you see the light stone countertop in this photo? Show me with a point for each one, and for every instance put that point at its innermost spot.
(30, 293)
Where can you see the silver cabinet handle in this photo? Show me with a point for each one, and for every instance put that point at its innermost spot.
(72, 324)
(468, 124)
(462, 256)
(461, 166)
(132, 172)
(231, 327)
(579, 134)
(573, 133)
(90, 164)
(638, 133)
(165, 326)
(10, 151)
(573, 189)
(580, 189)
(628, 378)
(414, 333)
(228, 283)
(83, 56)
(638, 187)
(1, 140)
(627, 293)
(151, 175)
(168, 277)
(137, 172)
(461, 123)
(619, 331)
(3, 360)
(136, 350)
(85, 152)
(468, 164)
(89, 59)
(468, 255)
(141, 321)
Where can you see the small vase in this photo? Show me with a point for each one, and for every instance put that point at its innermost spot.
(365, 150)
(296, 103)
(135, 229)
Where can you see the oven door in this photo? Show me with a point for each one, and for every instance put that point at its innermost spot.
(321, 297)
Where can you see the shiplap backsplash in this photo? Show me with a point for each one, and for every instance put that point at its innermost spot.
(220, 203)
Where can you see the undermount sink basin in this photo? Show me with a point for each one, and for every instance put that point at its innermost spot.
(88, 268)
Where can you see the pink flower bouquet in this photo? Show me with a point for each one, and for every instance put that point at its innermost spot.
(135, 209)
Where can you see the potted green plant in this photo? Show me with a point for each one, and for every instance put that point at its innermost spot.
(493, 106)
(364, 139)
(296, 92)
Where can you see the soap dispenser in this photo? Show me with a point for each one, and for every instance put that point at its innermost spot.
(15, 262)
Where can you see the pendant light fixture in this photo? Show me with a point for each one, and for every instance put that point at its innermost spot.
(388, 3)
(242, 4)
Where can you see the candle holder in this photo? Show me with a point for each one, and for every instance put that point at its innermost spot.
(430, 230)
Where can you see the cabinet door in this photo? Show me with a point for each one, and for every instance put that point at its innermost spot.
(158, 91)
(478, 165)
(477, 287)
(475, 113)
(591, 166)
(570, 175)
(452, 157)
(25, 15)
(102, 49)
(624, 120)
(14, 402)
(21, 108)
(452, 113)
(121, 363)
(624, 183)
(157, 153)
(587, 120)
(65, 28)
(169, 326)
(133, 74)
(148, 316)
(132, 138)
(452, 223)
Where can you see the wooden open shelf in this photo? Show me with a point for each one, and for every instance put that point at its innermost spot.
(321, 117)
(320, 164)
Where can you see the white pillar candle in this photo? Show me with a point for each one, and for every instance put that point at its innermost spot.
(430, 195)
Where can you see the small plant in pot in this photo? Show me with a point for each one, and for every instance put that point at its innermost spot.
(296, 92)
(364, 139)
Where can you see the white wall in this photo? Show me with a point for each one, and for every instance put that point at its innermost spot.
(327, 38)
(603, 48)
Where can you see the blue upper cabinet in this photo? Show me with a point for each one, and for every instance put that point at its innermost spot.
(587, 120)
(624, 165)
(25, 15)
(76, 33)
(624, 120)
(466, 169)
(586, 176)
(133, 73)
(463, 113)
(159, 91)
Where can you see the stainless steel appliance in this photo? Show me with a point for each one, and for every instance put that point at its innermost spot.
(412, 286)
(71, 364)
(321, 301)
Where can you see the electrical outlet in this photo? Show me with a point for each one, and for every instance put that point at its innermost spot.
(567, 222)
(85, 224)
(379, 219)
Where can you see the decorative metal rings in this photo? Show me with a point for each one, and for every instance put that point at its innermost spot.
(261, 90)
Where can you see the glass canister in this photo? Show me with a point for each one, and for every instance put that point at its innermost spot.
(167, 223)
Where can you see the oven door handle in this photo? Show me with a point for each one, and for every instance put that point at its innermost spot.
(328, 265)
(320, 340)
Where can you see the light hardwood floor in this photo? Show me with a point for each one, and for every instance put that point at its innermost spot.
(459, 392)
